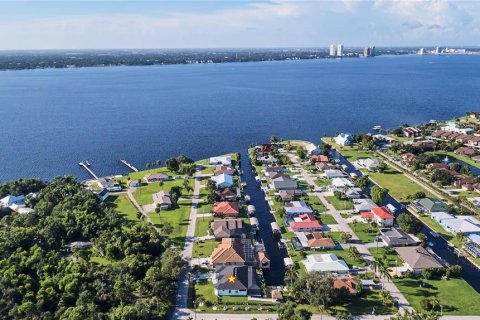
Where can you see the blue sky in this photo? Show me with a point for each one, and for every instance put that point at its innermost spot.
(68, 24)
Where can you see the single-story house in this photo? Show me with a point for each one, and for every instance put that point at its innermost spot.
(466, 151)
(162, 199)
(314, 241)
(305, 223)
(349, 283)
(409, 157)
(234, 251)
(223, 181)
(227, 228)
(441, 216)
(339, 184)
(344, 139)
(395, 237)
(463, 225)
(313, 149)
(296, 208)
(224, 169)
(284, 183)
(109, 184)
(226, 209)
(437, 165)
(363, 205)
(318, 158)
(326, 263)
(273, 169)
(157, 177)
(428, 205)
(417, 258)
(223, 160)
(380, 215)
(134, 183)
(268, 159)
(289, 195)
(10, 200)
(236, 281)
(369, 164)
(103, 195)
(333, 173)
(227, 194)
(325, 166)
(354, 193)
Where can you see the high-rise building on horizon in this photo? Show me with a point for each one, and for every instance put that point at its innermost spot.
(339, 50)
(369, 51)
(333, 50)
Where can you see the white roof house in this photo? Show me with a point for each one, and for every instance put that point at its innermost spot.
(363, 205)
(297, 208)
(224, 160)
(223, 180)
(453, 127)
(326, 263)
(333, 173)
(441, 216)
(344, 139)
(463, 225)
(313, 149)
(338, 184)
(369, 164)
(10, 200)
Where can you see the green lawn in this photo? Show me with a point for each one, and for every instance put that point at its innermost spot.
(364, 231)
(144, 194)
(393, 260)
(459, 157)
(327, 219)
(315, 203)
(323, 182)
(456, 295)
(178, 218)
(100, 261)
(340, 204)
(123, 206)
(361, 304)
(204, 249)
(399, 186)
(202, 226)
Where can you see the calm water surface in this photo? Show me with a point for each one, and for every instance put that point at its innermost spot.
(52, 119)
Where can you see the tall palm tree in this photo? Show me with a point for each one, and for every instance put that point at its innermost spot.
(353, 253)
(290, 275)
(375, 265)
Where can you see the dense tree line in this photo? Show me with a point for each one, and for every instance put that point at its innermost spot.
(40, 279)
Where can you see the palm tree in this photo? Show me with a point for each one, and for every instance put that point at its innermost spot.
(375, 265)
(385, 297)
(384, 273)
(354, 223)
(353, 253)
(290, 274)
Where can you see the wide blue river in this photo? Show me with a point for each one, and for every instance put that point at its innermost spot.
(52, 119)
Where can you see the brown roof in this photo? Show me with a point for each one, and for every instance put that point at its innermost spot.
(224, 169)
(156, 176)
(227, 192)
(315, 240)
(417, 257)
(465, 151)
(227, 228)
(229, 251)
(409, 156)
(350, 283)
(324, 165)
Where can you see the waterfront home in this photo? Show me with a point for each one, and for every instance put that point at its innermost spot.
(109, 184)
(226, 209)
(223, 160)
(380, 215)
(453, 127)
(344, 139)
(466, 151)
(326, 263)
(263, 259)
(224, 170)
(234, 251)
(11, 200)
(275, 175)
(134, 183)
(474, 141)
(324, 166)
(409, 157)
(157, 177)
(368, 163)
(270, 169)
(223, 181)
(240, 281)
(304, 223)
(429, 205)
(349, 283)
(353, 193)
(162, 200)
(417, 259)
(461, 224)
(227, 228)
(411, 132)
(333, 173)
(227, 194)
(363, 205)
(103, 195)
(318, 158)
(284, 183)
(266, 148)
(289, 195)
(296, 208)
(436, 165)
(395, 237)
(441, 216)
(340, 184)
(314, 241)
(313, 150)
(268, 159)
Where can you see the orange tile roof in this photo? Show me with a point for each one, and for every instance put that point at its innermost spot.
(229, 251)
(350, 283)
(382, 213)
(226, 208)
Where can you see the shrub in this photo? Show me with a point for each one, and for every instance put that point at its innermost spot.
(426, 304)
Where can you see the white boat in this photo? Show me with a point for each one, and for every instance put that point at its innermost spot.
(377, 127)
(353, 175)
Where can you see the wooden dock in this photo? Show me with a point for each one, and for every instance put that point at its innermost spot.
(85, 164)
(130, 166)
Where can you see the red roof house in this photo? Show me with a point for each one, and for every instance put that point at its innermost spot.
(318, 158)
(226, 209)
(306, 223)
(382, 216)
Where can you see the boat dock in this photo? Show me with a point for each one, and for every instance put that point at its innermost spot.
(129, 165)
(86, 165)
